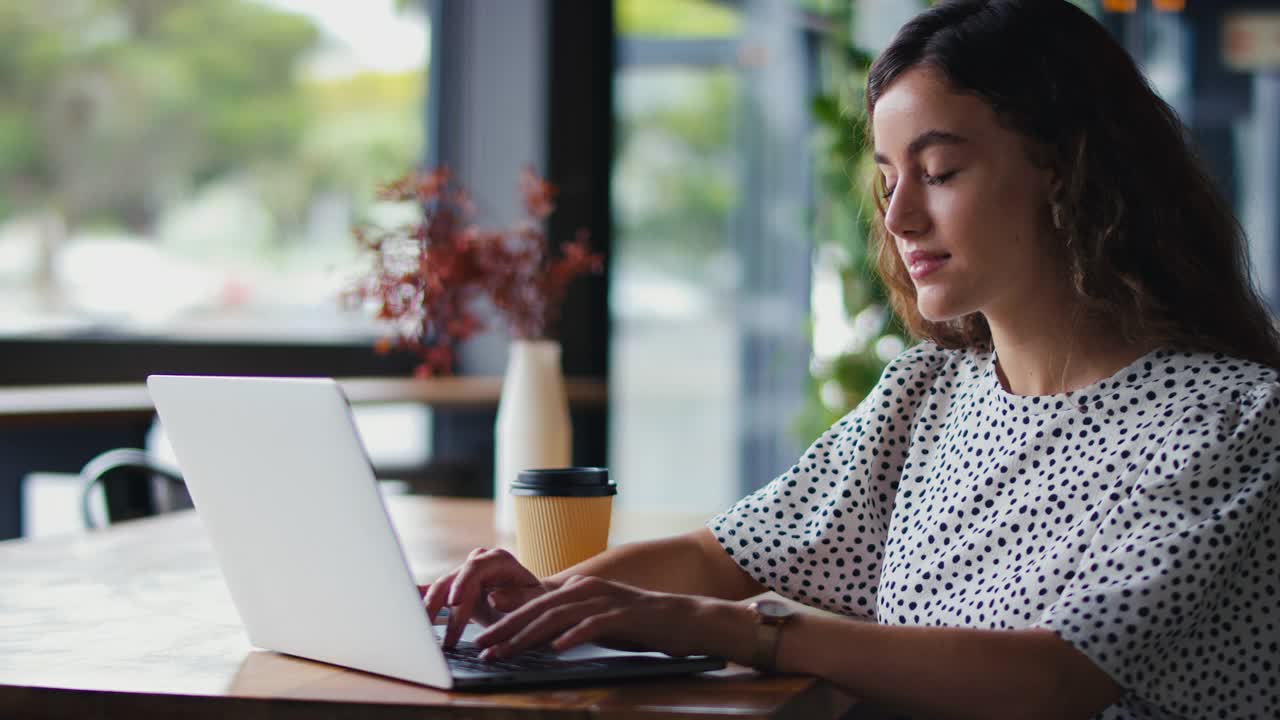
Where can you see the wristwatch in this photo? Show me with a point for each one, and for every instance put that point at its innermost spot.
(771, 616)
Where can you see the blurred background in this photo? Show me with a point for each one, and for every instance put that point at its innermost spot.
(178, 181)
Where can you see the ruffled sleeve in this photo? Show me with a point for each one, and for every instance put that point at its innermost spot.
(831, 510)
(1177, 597)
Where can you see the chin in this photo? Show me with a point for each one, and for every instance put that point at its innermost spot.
(936, 307)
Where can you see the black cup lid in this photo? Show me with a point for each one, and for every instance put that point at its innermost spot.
(564, 482)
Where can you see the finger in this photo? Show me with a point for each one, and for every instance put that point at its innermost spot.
(514, 639)
(456, 624)
(551, 625)
(507, 626)
(575, 589)
(509, 598)
(438, 593)
(494, 567)
(465, 591)
(589, 630)
(482, 571)
(422, 593)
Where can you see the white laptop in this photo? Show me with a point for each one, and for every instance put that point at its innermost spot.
(286, 493)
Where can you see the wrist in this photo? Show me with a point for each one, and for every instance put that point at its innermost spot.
(723, 629)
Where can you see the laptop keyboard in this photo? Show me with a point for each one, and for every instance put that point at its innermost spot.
(466, 655)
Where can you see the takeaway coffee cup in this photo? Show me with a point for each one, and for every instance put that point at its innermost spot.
(562, 516)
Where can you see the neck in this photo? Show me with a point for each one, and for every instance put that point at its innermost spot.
(1050, 358)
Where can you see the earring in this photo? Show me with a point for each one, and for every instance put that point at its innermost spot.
(1056, 211)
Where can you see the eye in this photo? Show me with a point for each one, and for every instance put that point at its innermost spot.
(885, 184)
(938, 179)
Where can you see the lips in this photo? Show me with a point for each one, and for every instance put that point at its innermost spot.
(921, 263)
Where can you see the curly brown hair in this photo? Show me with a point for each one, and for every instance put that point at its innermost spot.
(1148, 240)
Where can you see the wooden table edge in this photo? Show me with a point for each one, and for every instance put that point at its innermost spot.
(76, 403)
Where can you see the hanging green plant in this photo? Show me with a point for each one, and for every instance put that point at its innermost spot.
(853, 331)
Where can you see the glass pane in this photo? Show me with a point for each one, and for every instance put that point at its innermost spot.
(192, 169)
(1249, 40)
(1217, 66)
(675, 378)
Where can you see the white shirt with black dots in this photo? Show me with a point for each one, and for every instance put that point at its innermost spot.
(1137, 518)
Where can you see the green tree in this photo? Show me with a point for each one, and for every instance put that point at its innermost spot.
(698, 18)
(683, 153)
(106, 102)
(111, 106)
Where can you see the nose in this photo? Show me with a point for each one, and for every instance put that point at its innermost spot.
(905, 215)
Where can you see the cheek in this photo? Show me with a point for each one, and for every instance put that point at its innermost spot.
(1019, 192)
(992, 219)
(967, 222)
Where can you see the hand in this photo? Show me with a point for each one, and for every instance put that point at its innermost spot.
(488, 584)
(588, 609)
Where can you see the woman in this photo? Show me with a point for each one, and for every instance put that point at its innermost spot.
(1063, 502)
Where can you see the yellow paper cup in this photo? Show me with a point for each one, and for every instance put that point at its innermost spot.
(562, 516)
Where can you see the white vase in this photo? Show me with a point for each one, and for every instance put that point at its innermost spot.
(532, 430)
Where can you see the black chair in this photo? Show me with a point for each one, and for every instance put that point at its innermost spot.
(134, 484)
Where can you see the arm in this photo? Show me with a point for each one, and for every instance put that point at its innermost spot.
(949, 672)
(930, 672)
(689, 564)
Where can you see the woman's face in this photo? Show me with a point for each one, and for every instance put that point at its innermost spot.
(967, 209)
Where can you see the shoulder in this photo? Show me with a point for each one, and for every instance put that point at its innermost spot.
(1213, 379)
(924, 372)
(930, 359)
(904, 382)
(1222, 398)
(927, 368)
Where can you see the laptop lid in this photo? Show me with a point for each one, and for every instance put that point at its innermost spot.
(288, 498)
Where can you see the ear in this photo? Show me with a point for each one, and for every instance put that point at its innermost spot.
(1050, 173)
(1067, 168)
(1054, 189)
(1053, 182)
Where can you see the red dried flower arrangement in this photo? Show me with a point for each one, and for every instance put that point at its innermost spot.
(426, 276)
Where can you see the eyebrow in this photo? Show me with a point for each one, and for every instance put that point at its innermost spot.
(924, 140)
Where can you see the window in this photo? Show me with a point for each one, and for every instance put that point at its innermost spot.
(190, 171)
(1215, 64)
(710, 256)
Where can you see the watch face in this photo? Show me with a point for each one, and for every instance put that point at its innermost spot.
(773, 609)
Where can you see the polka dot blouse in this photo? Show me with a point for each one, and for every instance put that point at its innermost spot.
(1137, 518)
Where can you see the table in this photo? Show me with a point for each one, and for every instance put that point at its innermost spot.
(134, 621)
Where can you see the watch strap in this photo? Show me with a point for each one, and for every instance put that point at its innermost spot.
(766, 648)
